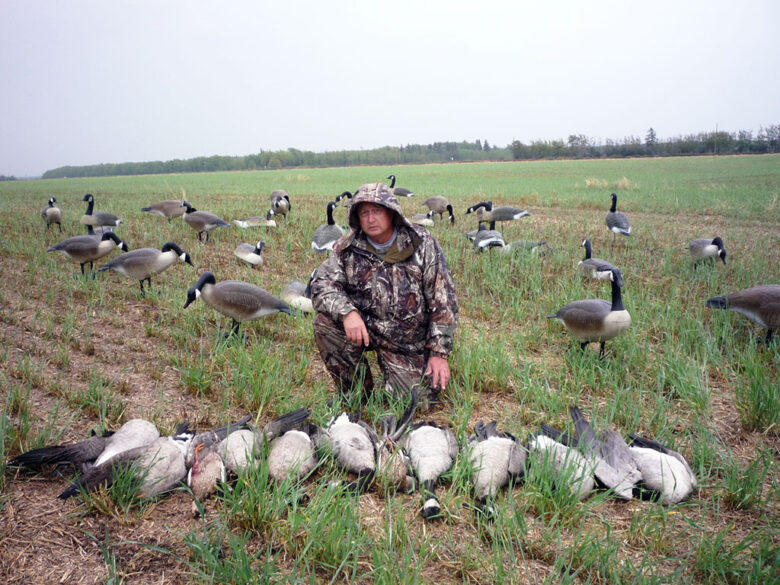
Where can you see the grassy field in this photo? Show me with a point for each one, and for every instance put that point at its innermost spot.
(77, 354)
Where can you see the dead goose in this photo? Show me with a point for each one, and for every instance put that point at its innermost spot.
(293, 455)
(496, 459)
(439, 204)
(617, 221)
(280, 202)
(423, 219)
(241, 301)
(596, 319)
(87, 249)
(664, 471)
(327, 234)
(760, 304)
(205, 475)
(97, 218)
(432, 450)
(143, 263)
(202, 221)
(705, 248)
(487, 213)
(213, 437)
(52, 214)
(594, 267)
(399, 191)
(569, 467)
(251, 254)
(250, 222)
(167, 209)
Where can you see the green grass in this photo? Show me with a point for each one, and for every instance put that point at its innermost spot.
(76, 349)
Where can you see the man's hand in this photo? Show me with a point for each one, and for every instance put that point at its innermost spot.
(355, 329)
(439, 371)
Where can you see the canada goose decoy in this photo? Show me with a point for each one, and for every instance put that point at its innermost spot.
(617, 221)
(280, 202)
(87, 249)
(239, 449)
(614, 466)
(143, 263)
(202, 221)
(488, 238)
(399, 191)
(298, 296)
(496, 459)
(571, 469)
(423, 219)
(253, 255)
(241, 301)
(97, 218)
(487, 213)
(327, 234)
(594, 267)
(760, 304)
(203, 478)
(439, 204)
(432, 450)
(705, 248)
(159, 465)
(345, 194)
(664, 471)
(52, 214)
(256, 221)
(167, 209)
(596, 319)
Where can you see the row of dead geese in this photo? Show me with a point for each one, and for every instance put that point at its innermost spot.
(403, 456)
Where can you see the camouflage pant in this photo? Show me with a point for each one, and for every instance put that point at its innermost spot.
(347, 364)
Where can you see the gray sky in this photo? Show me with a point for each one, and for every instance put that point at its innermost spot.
(95, 81)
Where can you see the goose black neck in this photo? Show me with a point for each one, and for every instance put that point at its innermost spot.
(588, 251)
(392, 181)
(111, 236)
(493, 225)
(172, 246)
(90, 206)
(205, 278)
(614, 203)
(330, 213)
(617, 297)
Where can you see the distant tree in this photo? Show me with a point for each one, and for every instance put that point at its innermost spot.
(650, 141)
(485, 146)
(7, 178)
(275, 163)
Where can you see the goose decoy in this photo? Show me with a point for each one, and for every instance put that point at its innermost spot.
(159, 465)
(241, 301)
(488, 238)
(496, 459)
(251, 254)
(202, 221)
(327, 234)
(594, 267)
(439, 204)
(705, 248)
(399, 191)
(250, 222)
(663, 470)
(167, 209)
(760, 304)
(596, 319)
(617, 221)
(432, 450)
(614, 467)
(280, 202)
(298, 296)
(487, 213)
(423, 219)
(239, 449)
(97, 218)
(87, 249)
(203, 478)
(571, 469)
(143, 263)
(345, 194)
(52, 214)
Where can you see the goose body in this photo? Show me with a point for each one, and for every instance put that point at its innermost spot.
(399, 191)
(134, 433)
(327, 234)
(167, 209)
(298, 296)
(488, 238)
(52, 214)
(242, 301)
(663, 470)
(280, 202)
(423, 219)
(617, 221)
(292, 456)
(205, 474)
(143, 263)
(202, 221)
(354, 446)
(594, 267)
(596, 319)
(486, 212)
(572, 470)
(97, 218)
(432, 450)
(210, 439)
(439, 204)
(707, 249)
(250, 222)
(760, 304)
(253, 255)
(87, 249)
(496, 458)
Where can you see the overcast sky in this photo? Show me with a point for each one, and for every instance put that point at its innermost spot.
(95, 81)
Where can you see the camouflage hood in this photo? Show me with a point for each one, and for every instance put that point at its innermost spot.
(380, 194)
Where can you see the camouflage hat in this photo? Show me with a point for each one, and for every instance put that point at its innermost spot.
(379, 194)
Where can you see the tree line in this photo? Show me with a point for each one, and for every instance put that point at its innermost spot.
(767, 140)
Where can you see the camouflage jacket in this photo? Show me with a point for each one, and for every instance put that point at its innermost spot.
(406, 298)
